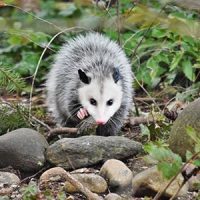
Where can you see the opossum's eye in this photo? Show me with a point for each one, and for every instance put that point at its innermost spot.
(83, 77)
(109, 102)
(93, 102)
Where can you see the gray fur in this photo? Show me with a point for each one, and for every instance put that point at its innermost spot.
(96, 55)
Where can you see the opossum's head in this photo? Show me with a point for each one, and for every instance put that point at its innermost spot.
(101, 98)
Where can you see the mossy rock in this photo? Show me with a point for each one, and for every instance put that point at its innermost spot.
(179, 140)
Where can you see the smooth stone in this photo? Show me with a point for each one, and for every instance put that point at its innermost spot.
(151, 180)
(8, 178)
(93, 182)
(53, 174)
(117, 173)
(112, 196)
(179, 141)
(74, 153)
(8, 181)
(23, 149)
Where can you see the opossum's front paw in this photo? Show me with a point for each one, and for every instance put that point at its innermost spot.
(82, 113)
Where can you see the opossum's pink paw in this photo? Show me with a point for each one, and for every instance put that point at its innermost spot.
(82, 113)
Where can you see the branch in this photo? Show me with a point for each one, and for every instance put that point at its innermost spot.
(160, 193)
(79, 186)
(62, 130)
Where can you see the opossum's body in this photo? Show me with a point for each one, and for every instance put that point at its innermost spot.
(91, 72)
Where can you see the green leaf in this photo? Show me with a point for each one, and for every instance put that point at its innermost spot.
(145, 131)
(169, 163)
(159, 33)
(197, 162)
(176, 59)
(27, 64)
(169, 169)
(188, 70)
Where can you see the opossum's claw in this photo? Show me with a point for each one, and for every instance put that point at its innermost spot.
(82, 113)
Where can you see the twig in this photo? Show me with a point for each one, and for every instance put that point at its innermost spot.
(180, 187)
(140, 120)
(62, 130)
(147, 93)
(90, 195)
(186, 178)
(34, 175)
(118, 21)
(160, 193)
(41, 123)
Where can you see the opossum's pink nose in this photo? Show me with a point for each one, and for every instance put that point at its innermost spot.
(100, 122)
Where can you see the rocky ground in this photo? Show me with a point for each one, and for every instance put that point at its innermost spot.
(89, 159)
(86, 167)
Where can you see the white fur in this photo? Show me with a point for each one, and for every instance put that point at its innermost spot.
(111, 90)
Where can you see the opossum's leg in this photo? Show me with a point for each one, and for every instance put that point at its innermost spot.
(82, 113)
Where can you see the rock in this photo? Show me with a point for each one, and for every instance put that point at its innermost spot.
(8, 178)
(112, 196)
(89, 150)
(117, 173)
(179, 140)
(194, 183)
(150, 181)
(22, 149)
(7, 182)
(93, 182)
(53, 174)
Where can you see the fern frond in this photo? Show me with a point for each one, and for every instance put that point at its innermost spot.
(11, 81)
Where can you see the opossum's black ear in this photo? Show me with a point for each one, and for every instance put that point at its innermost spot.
(83, 77)
(116, 75)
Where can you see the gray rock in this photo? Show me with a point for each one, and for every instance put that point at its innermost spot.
(112, 196)
(8, 181)
(7, 178)
(194, 181)
(179, 140)
(93, 182)
(151, 180)
(85, 151)
(22, 149)
(117, 173)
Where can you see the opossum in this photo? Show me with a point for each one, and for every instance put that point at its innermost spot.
(90, 82)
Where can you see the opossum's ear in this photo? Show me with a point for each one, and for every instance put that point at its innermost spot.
(116, 75)
(83, 77)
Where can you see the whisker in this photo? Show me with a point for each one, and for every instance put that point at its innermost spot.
(113, 122)
(73, 114)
